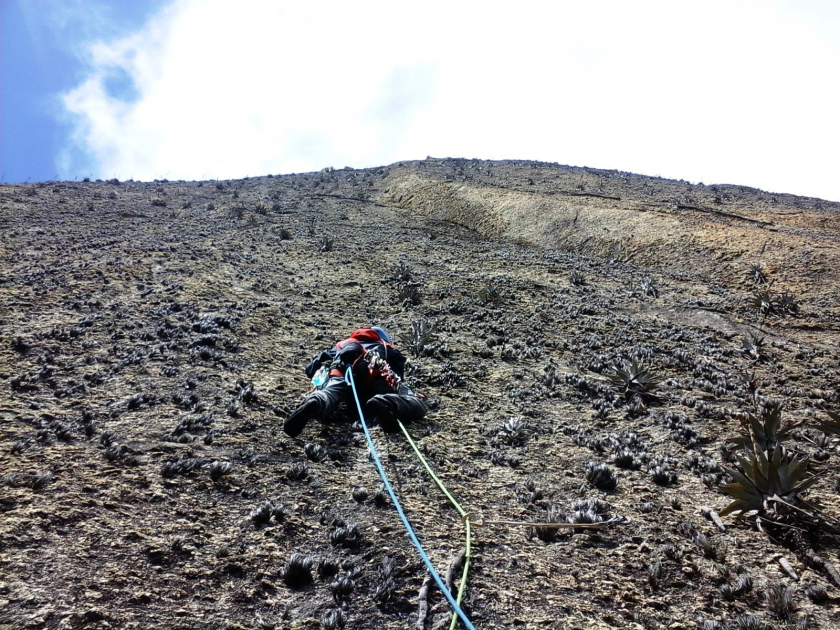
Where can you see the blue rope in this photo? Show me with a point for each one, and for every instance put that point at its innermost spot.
(348, 378)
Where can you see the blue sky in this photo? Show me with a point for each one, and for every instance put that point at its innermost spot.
(735, 91)
(42, 55)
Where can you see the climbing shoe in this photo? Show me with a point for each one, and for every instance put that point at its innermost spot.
(297, 420)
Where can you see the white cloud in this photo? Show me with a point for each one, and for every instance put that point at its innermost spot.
(714, 91)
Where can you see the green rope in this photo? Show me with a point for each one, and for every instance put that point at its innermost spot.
(462, 587)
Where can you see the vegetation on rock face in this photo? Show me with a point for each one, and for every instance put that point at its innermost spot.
(764, 484)
(633, 379)
(763, 429)
(768, 486)
(600, 475)
(297, 572)
(575, 375)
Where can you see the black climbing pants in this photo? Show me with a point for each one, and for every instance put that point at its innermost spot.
(382, 404)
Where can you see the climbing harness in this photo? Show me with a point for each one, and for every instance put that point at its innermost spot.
(452, 602)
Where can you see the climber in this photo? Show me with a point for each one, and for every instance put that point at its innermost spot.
(377, 372)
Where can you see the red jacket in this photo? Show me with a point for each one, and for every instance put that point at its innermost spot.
(360, 342)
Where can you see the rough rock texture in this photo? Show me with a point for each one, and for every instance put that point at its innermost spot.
(153, 335)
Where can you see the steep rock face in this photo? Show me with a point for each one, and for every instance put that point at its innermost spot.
(153, 338)
(645, 220)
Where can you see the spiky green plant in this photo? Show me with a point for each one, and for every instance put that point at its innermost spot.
(762, 430)
(648, 287)
(764, 486)
(763, 302)
(767, 486)
(787, 303)
(753, 344)
(757, 275)
(421, 333)
(767, 304)
(780, 601)
(633, 379)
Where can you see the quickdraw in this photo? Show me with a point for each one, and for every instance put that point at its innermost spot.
(379, 367)
(371, 367)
